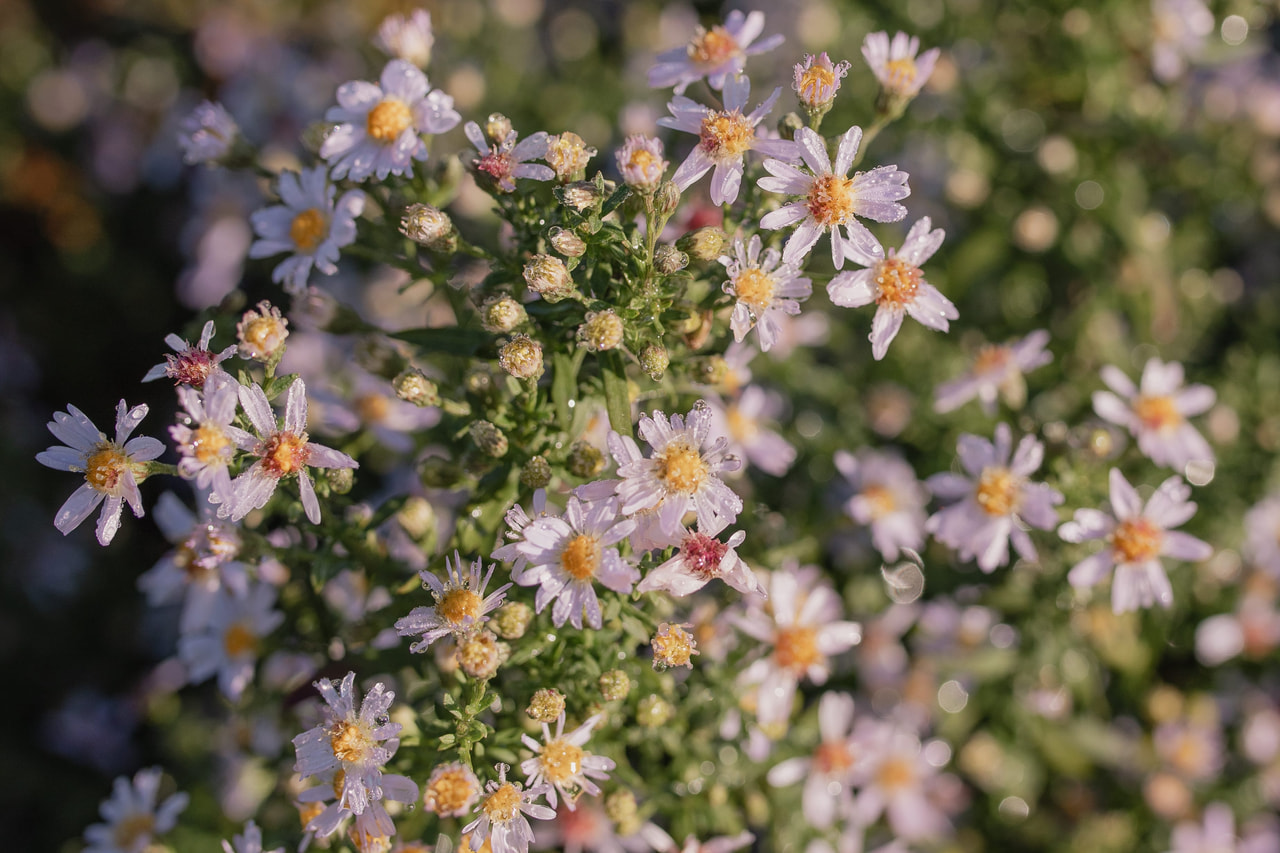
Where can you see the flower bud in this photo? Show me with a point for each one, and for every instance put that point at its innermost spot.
(641, 164)
(654, 711)
(430, 227)
(567, 243)
(314, 135)
(602, 331)
(497, 128)
(536, 473)
(413, 386)
(713, 370)
(511, 620)
(654, 360)
(578, 196)
(704, 244)
(816, 82)
(417, 516)
(614, 685)
(585, 460)
(546, 705)
(262, 332)
(340, 480)
(489, 439)
(522, 357)
(788, 125)
(478, 655)
(668, 259)
(620, 806)
(568, 154)
(502, 314)
(667, 199)
(673, 646)
(436, 472)
(478, 381)
(547, 276)
(379, 356)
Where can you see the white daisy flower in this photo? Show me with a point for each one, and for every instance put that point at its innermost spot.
(567, 555)
(830, 200)
(683, 474)
(193, 364)
(900, 72)
(724, 138)
(408, 37)
(281, 450)
(249, 842)
(461, 606)
(899, 782)
(380, 125)
(764, 290)
(132, 818)
(698, 560)
(895, 284)
(717, 53)
(887, 498)
(504, 813)
(996, 370)
(228, 644)
(111, 468)
(308, 224)
(208, 441)
(1156, 412)
(207, 135)
(562, 764)
(828, 773)
(507, 160)
(745, 421)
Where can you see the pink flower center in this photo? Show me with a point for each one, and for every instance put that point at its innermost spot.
(702, 554)
(992, 359)
(191, 367)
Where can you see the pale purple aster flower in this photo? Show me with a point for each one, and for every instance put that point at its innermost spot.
(357, 742)
(901, 73)
(830, 200)
(207, 441)
(699, 559)
(567, 555)
(717, 54)
(724, 138)
(111, 468)
(1262, 535)
(249, 842)
(507, 160)
(721, 844)
(802, 630)
(517, 522)
(560, 762)
(896, 284)
(641, 163)
(227, 645)
(408, 37)
(764, 290)
(193, 364)
(461, 606)
(996, 369)
(896, 780)
(132, 818)
(745, 421)
(829, 772)
(1179, 29)
(1156, 412)
(1193, 749)
(887, 498)
(380, 125)
(1136, 536)
(207, 135)
(1252, 630)
(1217, 834)
(589, 828)
(994, 499)
(308, 224)
(817, 80)
(504, 813)
(281, 450)
(683, 473)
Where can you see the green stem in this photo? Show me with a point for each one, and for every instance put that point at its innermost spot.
(868, 136)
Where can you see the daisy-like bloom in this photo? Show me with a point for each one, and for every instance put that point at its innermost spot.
(724, 138)
(262, 332)
(451, 791)
(132, 819)
(830, 201)
(717, 53)
(683, 473)
(502, 162)
(895, 283)
(698, 560)
(745, 421)
(347, 753)
(764, 290)
(504, 814)
(590, 827)
(997, 369)
(281, 450)
(193, 364)
(207, 135)
(461, 606)
(723, 844)
(1156, 412)
(208, 441)
(887, 498)
(1217, 833)
(901, 73)
(566, 556)
(560, 763)
(896, 781)
(817, 80)
(1262, 535)
(249, 842)
(1137, 537)
(994, 500)
(408, 37)
(828, 773)
(229, 643)
(802, 630)
(641, 163)
(309, 224)
(380, 125)
(111, 468)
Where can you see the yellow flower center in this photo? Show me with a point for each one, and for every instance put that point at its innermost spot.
(796, 648)
(999, 491)
(339, 782)
(457, 604)
(755, 288)
(373, 408)
(1190, 754)
(743, 428)
(831, 200)
(896, 774)
(388, 120)
(880, 499)
(209, 444)
(643, 159)
(815, 82)
(308, 229)
(285, 453)
(712, 47)
(264, 333)
(726, 135)
(581, 557)
(897, 282)
(991, 359)
(900, 75)
(673, 646)
(105, 466)
(1136, 540)
(1160, 413)
(450, 792)
(561, 761)
(832, 756)
(239, 640)
(350, 741)
(308, 812)
(132, 829)
(503, 804)
(681, 468)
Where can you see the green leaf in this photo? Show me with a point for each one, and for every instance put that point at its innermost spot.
(620, 195)
(564, 384)
(447, 339)
(616, 400)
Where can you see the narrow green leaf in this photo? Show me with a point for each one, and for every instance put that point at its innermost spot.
(564, 384)
(448, 339)
(616, 400)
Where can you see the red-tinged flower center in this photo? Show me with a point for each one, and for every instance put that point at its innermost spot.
(755, 287)
(999, 491)
(105, 467)
(561, 761)
(900, 75)
(815, 85)
(726, 135)
(581, 557)
(190, 367)
(388, 120)
(896, 282)
(681, 468)
(285, 453)
(308, 229)
(1158, 413)
(896, 773)
(239, 640)
(833, 757)
(879, 500)
(498, 165)
(457, 604)
(702, 554)
(503, 804)
(796, 648)
(992, 358)
(711, 47)
(1136, 540)
(831, 200)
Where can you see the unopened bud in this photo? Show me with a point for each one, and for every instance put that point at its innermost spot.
(536, 473)
(417, 516)
(654, 711)
(602, 331)
(497, 128)
(413, 386)
(430, 227)
(585, 460)
(502, 314)
(436, 472)
(788, 125)
(567, 243)
(704, 244)
(522, 357)
(568, 154)
(489, 439)
(379, 356)
(314, 135)
(654, 361)
(620, 806)
(547, 276)
(546, 705)
(511, 620)
(578, 196)
(667, 199)
(614, 685)
(668, 259)
(479, 656)
(340, 480)
(262, 332)
(713, 370)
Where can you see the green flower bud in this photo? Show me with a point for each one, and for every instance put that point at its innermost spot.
(497, 128)
(436, 472)
(413, 386)
(502, 314)
(620, 806)
(603, 330)
(511, 620)
(547, 276)
(654, 711)
(654, 361)
(668, 259)
(522, 358)
(489, 439)
(667, 199)
(585, 460)
(479, 656)
(614, 685)
(546, 705)
(417, 516)
(340, 480)
(705, 244)
(567, 243)
(429, 226)
(536, 473)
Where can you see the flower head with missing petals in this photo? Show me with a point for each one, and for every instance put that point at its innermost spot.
(1156, 412)
(561, 764)
(191, 365)
(501, 163)
(997, 370)
(717, 53)
(503, 814)
(461, 606)
(309, 224)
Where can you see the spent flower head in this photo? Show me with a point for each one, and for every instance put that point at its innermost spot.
(191, 365)
(641, 163)
(261, 332)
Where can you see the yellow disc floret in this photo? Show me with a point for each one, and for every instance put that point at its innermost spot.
(581, 557)
(726, 135)
(456, 605)
(388, 120)
(755, 288)
(681, 468)
(561, 761)
(209, 444)
(1136, 540)
(308, 229)
(285, 453)
(349, 741)
(1159, 413)
(239, 640)
(998, 492)
(831, 200)
(896, 282)
(503, 804)
(105, 467)
(796, 648)
(712, 47)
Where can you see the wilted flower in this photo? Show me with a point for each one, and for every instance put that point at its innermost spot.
(764, 289)
(193, 364)
(641, 164)
(133, 820)
(461, 604)
(208, 134)
(1156, 412)
(568, 155)
(900, 72)
(715, 54)
(996, 369)
(504, 161)
(561, 764)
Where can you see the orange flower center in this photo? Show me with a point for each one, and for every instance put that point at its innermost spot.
(755, 288)
(450, 792)
(831, 200)
(681, 468)
(105, 466)
(712, 47)
(832, 756)
(726, 135)
(561, 761)
(285, 453)
(308, 229)
(880, 499)
(388, 120)
(503, 804)
(1159, 413)
(210, 444)
(581, 557)
(999, 492)
(796, 648)
(1136, 540)
(815, 82)
(992, 358)
(897, 282)
(673, 646)
(239, 640)
(373, 408)
(900, 74)
(457, 604)
(896, 774)
(349, 741)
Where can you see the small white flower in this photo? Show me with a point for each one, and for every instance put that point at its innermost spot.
(249, 842)
(765, 290)
(900, 72)
(897, 780)
(229, 643)
(308, 224)
(208, 134)
(641, 163)
(996, 369)
(502, 815)
(887, 498)
(507, 160)
(193, 364)
(1156, 412)
(716, 54)
(461, 606)
(132, 818)
(517, 522)
(208, 441)
(111, 468)
(562, 764)
(746, 420)
(699, 559)
(408, 37)
(829, 772)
